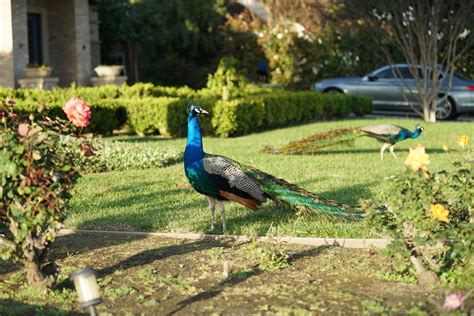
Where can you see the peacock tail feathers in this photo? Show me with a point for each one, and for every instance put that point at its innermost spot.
(318, 141)
(297, 198)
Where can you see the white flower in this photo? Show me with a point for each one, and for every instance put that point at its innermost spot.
(464, 34)
(320, 41)
(279, 36)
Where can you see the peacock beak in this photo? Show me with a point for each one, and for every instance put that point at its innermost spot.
(204, 111)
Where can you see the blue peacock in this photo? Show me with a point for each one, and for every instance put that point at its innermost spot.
(223, 179)
(388, 134)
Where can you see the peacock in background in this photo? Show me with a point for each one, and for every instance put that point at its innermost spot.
(388, 134)
(221, 179)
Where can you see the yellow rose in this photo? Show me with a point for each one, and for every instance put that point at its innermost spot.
(417, 159)
(463, 140)
(439, 212)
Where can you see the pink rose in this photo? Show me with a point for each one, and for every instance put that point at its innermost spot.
(453, 301)
(77, 112)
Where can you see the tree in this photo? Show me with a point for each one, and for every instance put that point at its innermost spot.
(432, 33)
(128, 24)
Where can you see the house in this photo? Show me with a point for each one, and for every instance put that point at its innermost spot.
(63, 34)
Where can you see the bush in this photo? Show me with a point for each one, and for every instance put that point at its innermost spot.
(164, 115)
(149, 109)
(36, 176)
(429, 216)
(280, 108)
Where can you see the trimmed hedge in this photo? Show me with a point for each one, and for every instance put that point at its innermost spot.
(149, 109)
(246, 115)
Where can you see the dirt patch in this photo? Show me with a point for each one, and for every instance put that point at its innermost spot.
(157, 275)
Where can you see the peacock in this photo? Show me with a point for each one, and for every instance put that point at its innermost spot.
(223, 179)
(388, 134)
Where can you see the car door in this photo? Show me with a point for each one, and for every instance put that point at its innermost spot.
(382, 87)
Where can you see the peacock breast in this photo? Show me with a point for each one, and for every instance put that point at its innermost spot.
(200, 179)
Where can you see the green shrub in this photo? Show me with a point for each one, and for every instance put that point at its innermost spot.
(429, 217)
(108, 114)
(163, 115)
(149, 109)
(280, 108)
(36, 176)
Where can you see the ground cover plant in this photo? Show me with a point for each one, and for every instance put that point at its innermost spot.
(161, 200)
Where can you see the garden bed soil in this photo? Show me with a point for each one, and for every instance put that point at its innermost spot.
(156, 275)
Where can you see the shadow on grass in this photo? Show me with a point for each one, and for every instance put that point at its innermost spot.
(12, 307)
(360, 151)
(236, 278)
(145, 139)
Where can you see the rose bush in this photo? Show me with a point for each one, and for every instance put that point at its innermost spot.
(36, 176)
(429, 217)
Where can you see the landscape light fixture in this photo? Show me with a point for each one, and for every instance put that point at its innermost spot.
(87, 289)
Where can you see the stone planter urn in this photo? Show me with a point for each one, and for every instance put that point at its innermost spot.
(109, 70)
(38, 72)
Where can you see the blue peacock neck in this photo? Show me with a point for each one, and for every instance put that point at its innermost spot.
(194, 151)
(415, 133)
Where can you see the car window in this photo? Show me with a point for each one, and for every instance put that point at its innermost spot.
(405, 73)
(385, 74)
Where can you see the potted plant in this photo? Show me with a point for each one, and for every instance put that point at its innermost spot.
(109, 70)
(37, 71)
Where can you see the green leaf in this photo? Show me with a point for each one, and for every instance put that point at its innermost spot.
(27, 190)
(22, 232)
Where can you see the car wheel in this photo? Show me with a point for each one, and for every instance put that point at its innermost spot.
(333, 91)
(446, 110)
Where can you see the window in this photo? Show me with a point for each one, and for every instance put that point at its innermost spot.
(35, 39)
(385, 74)
(405, 73)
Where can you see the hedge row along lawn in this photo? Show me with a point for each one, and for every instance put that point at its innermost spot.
(160, 200)
(149, 109)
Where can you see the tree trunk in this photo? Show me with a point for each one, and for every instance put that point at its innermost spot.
(43, 277)
(133, 60)
(426, 278)
(429, 115)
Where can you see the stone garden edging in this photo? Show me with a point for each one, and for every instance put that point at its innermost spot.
(355, 243)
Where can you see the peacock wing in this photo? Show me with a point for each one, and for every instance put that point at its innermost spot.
(234, 183)
(385, 129)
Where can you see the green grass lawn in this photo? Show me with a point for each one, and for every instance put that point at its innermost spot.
(155, 199)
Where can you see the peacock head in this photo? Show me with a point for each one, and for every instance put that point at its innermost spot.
(417, 131)
(195, 110)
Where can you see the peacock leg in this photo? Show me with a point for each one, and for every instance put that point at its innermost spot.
(384, 147)
(391, 151)
(212, 208)
(220, 204)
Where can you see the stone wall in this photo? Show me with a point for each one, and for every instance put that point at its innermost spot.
(95, 41)
(71, 45)
(83, 42)
(13, 41)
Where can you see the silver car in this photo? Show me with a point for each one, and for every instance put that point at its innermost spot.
(390, 92)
